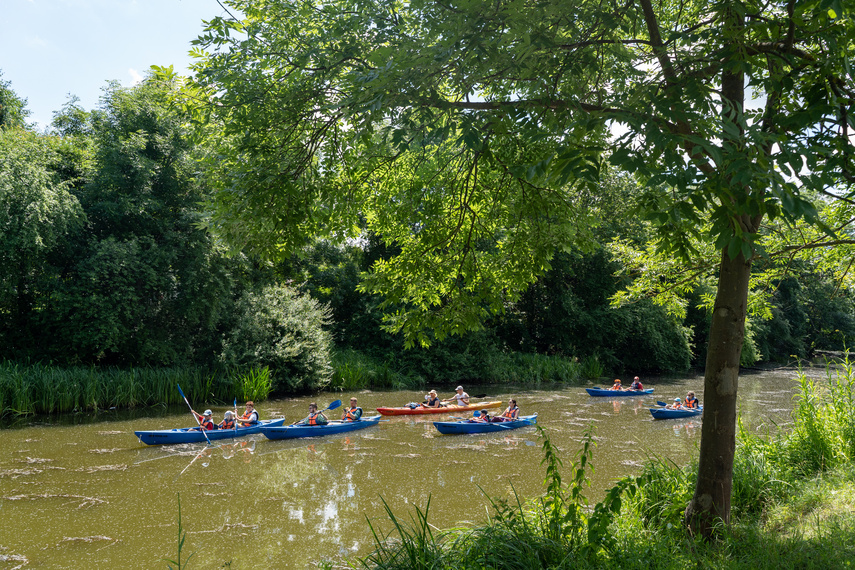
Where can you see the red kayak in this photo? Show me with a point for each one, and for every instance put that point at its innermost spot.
(405, 411)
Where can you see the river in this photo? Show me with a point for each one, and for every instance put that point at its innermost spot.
(83, 491)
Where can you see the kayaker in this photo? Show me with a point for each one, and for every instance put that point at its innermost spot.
(691, 401)
(482, 417)
(353, 413)
(616, 386)
(205, 419)
(432, 400)
(461, 397)
(315, 418)
(678, 404)
(636, 384)
(249, 416)
(228, 420)
(511, 414)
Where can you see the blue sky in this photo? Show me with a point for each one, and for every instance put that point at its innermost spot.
(50, 48)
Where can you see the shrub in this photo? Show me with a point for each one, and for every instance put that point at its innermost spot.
(282, 330)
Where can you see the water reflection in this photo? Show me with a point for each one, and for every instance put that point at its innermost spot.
(250, 501)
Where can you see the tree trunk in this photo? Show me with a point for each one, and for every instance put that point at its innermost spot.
(710, 506)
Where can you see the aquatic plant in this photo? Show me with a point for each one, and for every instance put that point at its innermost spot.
(182, 536)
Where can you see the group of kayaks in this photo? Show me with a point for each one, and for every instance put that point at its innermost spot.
(276, 429)
(661, 413)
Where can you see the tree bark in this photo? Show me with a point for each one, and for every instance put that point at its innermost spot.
(710, 506)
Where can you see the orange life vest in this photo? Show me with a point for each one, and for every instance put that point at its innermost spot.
(352, 414)
(206, 424)
(227, 424)
(312, 420)
(511, 413)
(693, 403)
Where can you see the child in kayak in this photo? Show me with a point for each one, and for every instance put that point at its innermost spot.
(617, 386)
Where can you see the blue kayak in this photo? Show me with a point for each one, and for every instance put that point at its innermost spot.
(291, 432)
(194, 435)
(471, 426)
(603, 392)
(669, 413)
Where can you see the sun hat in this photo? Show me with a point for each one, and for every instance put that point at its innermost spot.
(208, 413)
(617, 380)
(432, 392)
(459, 388)
(636, 378)
(229, 413)
(676, 399)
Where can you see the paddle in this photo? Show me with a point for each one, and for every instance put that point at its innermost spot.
(234, 419)
(332, 406)
(194, 414)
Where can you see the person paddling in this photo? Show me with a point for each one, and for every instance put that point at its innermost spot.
(510, 414)
(249, 416)
(616, 386)
(205, 420)
(353, 413)
(461, 397)
(636, 384)
(315, 418)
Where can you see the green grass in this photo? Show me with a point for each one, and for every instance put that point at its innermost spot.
(793, 506)
(44, 389)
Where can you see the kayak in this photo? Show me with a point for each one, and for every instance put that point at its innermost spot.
(291, 432)
(469, 426)
(668, 413)
(193, 435)
(405, 411)
(600, 392)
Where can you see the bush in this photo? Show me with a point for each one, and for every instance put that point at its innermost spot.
(284, 331)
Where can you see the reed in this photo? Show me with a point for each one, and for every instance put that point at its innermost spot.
(45, 389)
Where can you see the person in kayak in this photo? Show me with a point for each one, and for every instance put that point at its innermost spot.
(205, 420)
(432, 400)
(461, 397)
(249, 416)
(691, 402)
(677, 405)
(315, 418)
(353, 413)
(636, 384)
(510, 414)
(617, 385)
(483, 417)
(228, 420)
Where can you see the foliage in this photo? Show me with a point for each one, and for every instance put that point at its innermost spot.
(46, 389)
(284, 331)
(182, 536)
(13, 109)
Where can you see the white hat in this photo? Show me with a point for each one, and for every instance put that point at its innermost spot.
(459, 388)
(229, 413)
(677, 399)
(208, 413)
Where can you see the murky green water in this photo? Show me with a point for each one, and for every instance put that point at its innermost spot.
(90, 495)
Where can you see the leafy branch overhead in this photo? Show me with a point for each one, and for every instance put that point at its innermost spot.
(464, 132)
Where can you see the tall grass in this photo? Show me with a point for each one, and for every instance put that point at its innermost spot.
(45, 389)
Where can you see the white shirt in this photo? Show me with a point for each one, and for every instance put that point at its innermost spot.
(461, 399)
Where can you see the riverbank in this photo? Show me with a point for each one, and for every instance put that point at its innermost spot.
(46, 389)
(793, 506)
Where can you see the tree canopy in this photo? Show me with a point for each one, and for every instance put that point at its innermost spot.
(468, 133)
